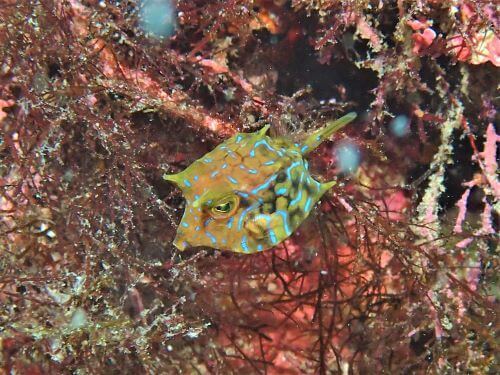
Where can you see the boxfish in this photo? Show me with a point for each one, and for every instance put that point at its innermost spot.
(251, 192)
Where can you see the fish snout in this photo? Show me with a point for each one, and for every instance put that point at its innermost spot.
(180, 242)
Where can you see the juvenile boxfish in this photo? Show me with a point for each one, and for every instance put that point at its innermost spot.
(251, 192)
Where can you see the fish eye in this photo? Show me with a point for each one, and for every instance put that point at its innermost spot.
(225, 207)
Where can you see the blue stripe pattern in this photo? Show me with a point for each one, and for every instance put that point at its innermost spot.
(265, 185)
(307, 207)
(284, 217)
(299, 196)
(244, 244)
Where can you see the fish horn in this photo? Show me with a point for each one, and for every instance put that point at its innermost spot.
(320, 135)
(176, 178)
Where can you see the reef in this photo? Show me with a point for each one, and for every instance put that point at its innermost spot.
(395, 271)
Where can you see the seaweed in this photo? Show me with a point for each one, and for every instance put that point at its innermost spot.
(397, 270)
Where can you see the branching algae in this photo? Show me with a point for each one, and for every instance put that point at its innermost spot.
(251, 192)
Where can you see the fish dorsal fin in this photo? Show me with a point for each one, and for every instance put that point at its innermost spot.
(316, 138)
(262, 132)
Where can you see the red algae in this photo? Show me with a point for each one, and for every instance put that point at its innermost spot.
(395, 272)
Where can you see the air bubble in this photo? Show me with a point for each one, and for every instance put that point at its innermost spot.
(158, 17)
(400, 126)
(348, 156)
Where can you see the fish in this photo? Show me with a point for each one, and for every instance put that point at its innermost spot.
(251, 192)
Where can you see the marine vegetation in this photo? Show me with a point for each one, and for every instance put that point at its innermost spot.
(395, 270)
(251, 192)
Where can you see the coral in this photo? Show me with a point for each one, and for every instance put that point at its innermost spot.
(395, 272)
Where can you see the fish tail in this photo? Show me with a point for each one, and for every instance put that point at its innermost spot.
(315, 139)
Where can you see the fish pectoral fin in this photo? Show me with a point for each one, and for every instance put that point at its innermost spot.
(327, 186)
(257, 228)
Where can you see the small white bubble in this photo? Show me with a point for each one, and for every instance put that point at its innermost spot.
(348, 156)
(158, 17)
(400, 125)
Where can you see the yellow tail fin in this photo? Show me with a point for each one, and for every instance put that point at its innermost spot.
(315, 139)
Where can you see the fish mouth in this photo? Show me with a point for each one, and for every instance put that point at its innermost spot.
(180, 243)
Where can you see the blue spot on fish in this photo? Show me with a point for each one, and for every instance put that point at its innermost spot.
(187, 183)
(230, 222)
(252, 171)
(259, 247)
(242, 194)
(281, 191)
(195, 178)
(224, 166)
(232, 179)
(244, 244)
(273, 238)
(212, 237)
(184, 224)
(214, 173)
(270, 162)
(238, 138)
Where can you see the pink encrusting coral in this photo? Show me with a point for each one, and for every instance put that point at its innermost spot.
(393, 273)
(482, 43)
